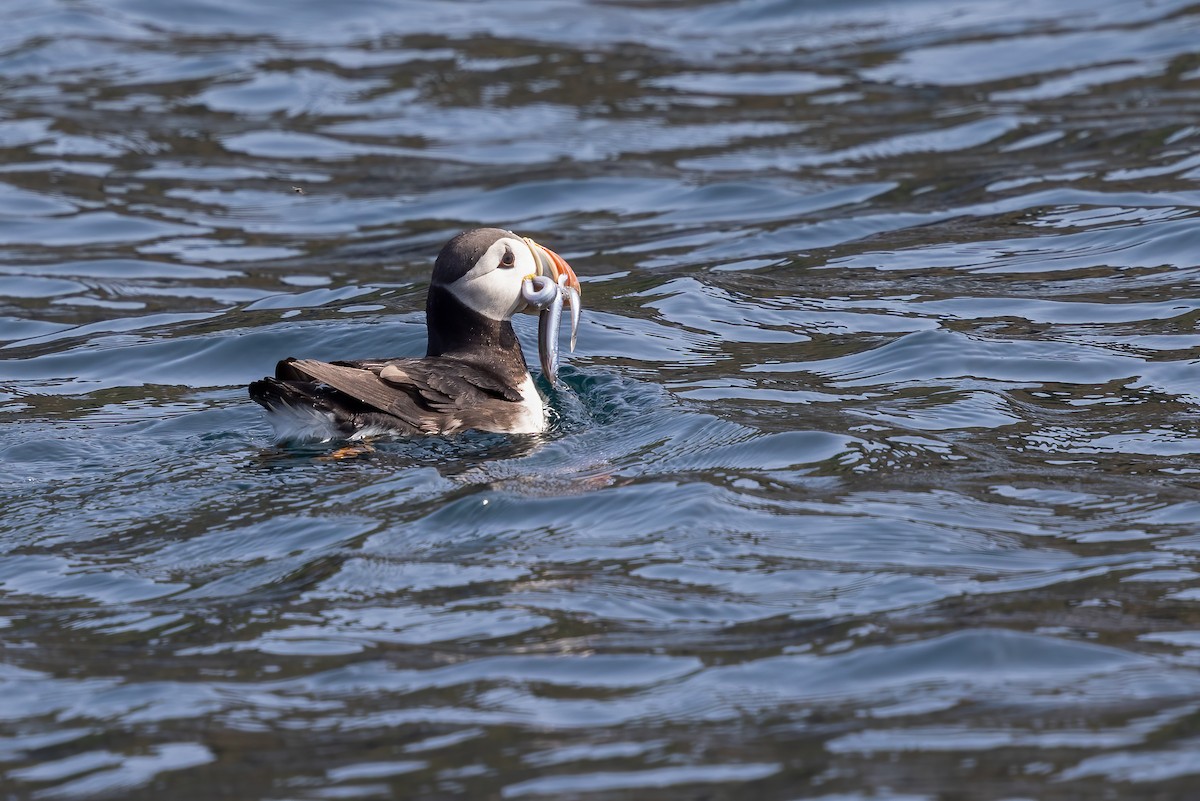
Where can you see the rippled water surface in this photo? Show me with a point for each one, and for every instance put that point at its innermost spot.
(874, 476)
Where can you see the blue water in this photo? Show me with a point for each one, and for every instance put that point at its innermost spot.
(874, 475)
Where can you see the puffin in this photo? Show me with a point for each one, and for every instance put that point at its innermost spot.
(473, 375)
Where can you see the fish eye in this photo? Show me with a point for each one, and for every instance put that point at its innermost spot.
(508, 259)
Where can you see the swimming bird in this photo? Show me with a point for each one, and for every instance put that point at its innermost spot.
(473, 375)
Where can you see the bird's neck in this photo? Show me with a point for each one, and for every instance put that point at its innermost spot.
(458, 331)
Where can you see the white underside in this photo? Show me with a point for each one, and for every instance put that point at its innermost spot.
(306, 424)
(532, 419)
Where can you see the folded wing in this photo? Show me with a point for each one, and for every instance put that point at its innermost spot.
(434, 395)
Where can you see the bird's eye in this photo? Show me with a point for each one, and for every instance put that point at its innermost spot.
(508, 260)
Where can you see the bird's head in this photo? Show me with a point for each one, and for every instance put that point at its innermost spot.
(485, 267)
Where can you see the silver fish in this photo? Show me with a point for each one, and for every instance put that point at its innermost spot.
(576, 302)
(548, 323)
(538, 290)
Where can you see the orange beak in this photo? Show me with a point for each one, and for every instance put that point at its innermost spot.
(551, 264)
(547, 302)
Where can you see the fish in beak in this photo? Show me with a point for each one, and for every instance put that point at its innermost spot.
(546, 290)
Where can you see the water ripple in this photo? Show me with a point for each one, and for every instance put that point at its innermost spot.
(872, 475)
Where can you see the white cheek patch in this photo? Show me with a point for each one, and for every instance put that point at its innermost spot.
(492, 290)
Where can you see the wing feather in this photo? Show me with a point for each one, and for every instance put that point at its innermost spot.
(437, 395)
(445, 379)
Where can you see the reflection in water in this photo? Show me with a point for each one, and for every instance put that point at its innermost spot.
(873, 476)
